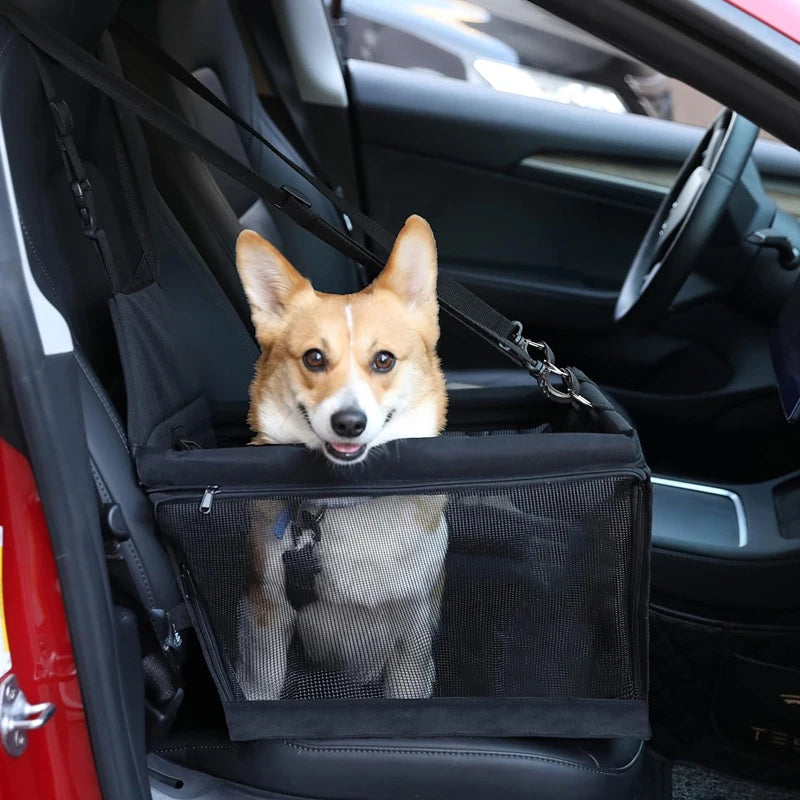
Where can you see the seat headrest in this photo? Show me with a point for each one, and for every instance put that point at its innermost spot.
(82, 20)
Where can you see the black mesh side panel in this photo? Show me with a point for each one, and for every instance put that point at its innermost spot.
(532, 590)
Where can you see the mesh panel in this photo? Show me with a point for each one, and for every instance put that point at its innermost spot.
(524, 591)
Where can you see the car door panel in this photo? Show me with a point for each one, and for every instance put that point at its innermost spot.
(539, 207)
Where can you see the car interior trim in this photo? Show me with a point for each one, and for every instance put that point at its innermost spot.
(741, 518)
(53, 330)
(313, 55)
(655, 182)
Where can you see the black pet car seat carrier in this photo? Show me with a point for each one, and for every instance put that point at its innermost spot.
(522, 607)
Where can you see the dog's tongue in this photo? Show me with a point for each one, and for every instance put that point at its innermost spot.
(345, 449)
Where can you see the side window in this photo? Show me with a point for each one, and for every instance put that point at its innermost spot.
(512, 46)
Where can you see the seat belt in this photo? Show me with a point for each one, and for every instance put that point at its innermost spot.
(558, 384)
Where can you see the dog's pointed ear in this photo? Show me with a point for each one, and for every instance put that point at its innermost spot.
(269, 280)
(410, 271)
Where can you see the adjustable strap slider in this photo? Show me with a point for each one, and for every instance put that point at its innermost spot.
(291, 194)
(62, 116)
(82, 194)
(80, 191)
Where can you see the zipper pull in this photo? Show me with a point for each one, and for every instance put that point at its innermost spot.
(208, 499)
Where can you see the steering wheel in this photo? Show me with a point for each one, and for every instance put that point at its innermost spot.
(686, 219)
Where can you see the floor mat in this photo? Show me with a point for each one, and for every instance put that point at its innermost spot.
(690, 782)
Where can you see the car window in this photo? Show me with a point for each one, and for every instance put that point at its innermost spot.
(512, 46)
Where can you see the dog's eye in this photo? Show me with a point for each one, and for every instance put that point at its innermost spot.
(383, 361)
(314, 360)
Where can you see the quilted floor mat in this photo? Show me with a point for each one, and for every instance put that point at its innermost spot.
(690, 782)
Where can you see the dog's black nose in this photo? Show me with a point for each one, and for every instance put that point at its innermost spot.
(349, 422)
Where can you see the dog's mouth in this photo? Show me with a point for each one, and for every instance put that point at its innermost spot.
(344, 451)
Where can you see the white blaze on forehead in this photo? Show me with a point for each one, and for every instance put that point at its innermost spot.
(355, 393)
(348, 313)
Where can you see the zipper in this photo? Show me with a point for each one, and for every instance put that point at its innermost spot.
(208, 641)
(208, 493)
(639, 557)
(207, 499)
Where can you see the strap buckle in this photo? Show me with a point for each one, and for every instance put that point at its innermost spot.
(62, 116)
(542, 366)
(291, 194)
(81, 193)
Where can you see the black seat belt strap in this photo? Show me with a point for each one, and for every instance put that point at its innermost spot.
(560, 385)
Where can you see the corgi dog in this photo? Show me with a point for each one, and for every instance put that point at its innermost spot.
(343, 374)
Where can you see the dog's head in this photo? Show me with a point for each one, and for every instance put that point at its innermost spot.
(345, 373)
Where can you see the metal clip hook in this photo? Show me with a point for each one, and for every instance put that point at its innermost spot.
(540, 352)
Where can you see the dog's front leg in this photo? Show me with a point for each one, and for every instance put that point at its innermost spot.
(410, 671)
(265, 631)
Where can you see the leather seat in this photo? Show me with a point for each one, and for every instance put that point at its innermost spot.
(68, 271)
(515, 769)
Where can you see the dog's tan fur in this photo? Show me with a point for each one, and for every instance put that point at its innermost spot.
(379, 591)
(398, 313)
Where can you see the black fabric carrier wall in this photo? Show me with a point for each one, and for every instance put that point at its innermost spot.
(492, 581)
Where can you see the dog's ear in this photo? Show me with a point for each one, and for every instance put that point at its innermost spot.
(410, 271)
(269, 280)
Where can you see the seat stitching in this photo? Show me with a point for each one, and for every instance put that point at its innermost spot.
(194, 747)
(39, 261)
(460, 753)
(145, 582)
(101, 396)
(102, 490)
(400, 751)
